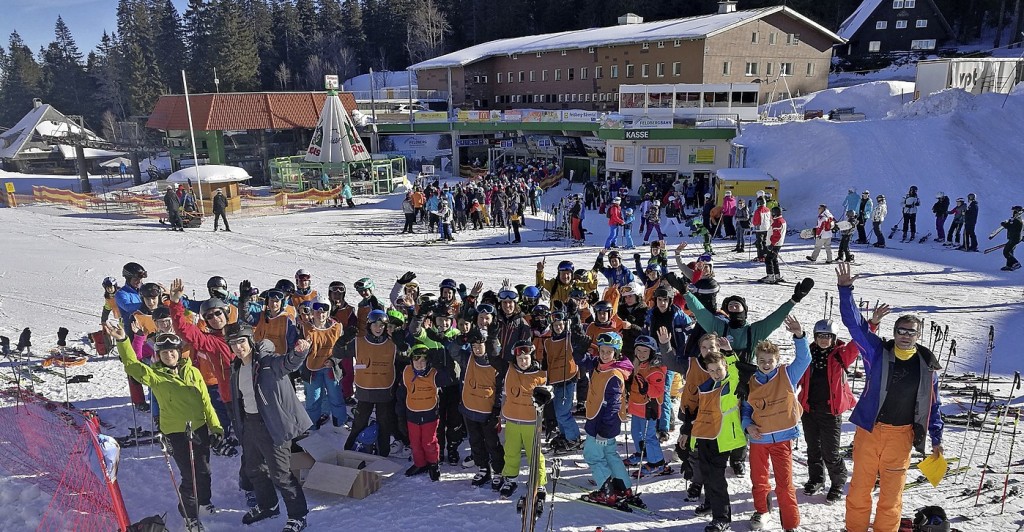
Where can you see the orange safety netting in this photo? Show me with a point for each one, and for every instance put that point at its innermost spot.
(57, 449)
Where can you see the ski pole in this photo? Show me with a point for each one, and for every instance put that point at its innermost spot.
(1009, 460)
(135, 431)
(996, 432)
(970, 419)
(981, 428)
(192, 463)
(949, 356)
(988, 359)
(167, 458)
(640, 464)
(556, 470)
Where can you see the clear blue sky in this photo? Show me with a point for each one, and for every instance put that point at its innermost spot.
(34, 20)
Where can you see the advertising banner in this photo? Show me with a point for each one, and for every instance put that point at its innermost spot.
(423, 149)
(430, 116)
(573, 115)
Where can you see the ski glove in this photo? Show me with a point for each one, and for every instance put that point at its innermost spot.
(641, 386)
(542, 396)
(245, 289)
(406, 278)
(652, 409)
(802, 289)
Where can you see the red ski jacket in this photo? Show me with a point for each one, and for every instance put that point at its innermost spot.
(840, 397)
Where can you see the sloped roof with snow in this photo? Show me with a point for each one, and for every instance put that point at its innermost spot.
(689, 28)
(38, 131)
(853, 23)
(858, 17)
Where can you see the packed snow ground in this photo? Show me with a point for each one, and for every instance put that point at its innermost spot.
(54, 259)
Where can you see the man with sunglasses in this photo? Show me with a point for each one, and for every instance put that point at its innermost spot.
(212, 352)
(899, 406)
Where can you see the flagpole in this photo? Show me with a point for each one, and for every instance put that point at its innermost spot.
(192, 133)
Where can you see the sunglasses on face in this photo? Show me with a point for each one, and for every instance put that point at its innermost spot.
(823, 335)
(303, 278)
(903, 331)
(213, 314)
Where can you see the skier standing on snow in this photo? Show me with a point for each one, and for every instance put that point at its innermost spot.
(774, 245)
(522, 378)
(771, 419)
(729, 213)
(824, 396)
(761, 223)
(852, 202)
(970, 222)
(742, 218)
(179, 386)
(482, 382)
(267, 417)
(173, 207)
(1013, 230)
(614, 222)
(716, 432)
(910, 204)
(898, 408)
(605, 413)
(877, 217)
(956, 227)
(646, 394)
(220, 209)
(846, 235)
(323, 365)
(418, 393)
(376, 372)
(941, 210)
(823, 235)
(865, 212)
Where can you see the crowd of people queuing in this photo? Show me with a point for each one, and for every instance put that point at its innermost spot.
(655, 347)
(498, 199)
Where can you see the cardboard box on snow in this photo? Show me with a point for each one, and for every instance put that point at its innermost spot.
(348, 473)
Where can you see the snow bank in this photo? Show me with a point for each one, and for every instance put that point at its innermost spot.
(943, 102)
(392, 79)
(950, 141)
(875, 99)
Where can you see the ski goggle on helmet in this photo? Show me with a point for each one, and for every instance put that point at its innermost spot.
(167, 341)
(610, 339)
(508, 294)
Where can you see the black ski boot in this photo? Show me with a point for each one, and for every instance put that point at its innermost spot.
(814, 487)
(258, 514)
(62, 337)
(415, 470)
(508, 488)
(434, 471)
(835, 494)
(453, 456)
(482, 477)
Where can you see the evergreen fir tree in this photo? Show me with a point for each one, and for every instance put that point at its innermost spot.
(169, 43)
(234, 49)
(21, 82)
(64, 82)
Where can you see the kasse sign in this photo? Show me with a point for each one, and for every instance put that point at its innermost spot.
(637, 134)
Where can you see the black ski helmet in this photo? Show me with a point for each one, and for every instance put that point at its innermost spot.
(217, 282)
(286, 286)
(150, 290)
(133, 270)
(706, 291)
(237, 330)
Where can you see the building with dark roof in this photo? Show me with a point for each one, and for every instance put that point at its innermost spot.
(894, 26)
(778, 47)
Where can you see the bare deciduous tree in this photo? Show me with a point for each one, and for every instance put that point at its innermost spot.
(283, 76)
(426, 32)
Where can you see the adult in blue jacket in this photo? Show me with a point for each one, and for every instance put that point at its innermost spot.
(865, 209)
(127, 297)
(900, 402)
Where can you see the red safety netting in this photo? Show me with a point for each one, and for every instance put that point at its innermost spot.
(58, 450)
